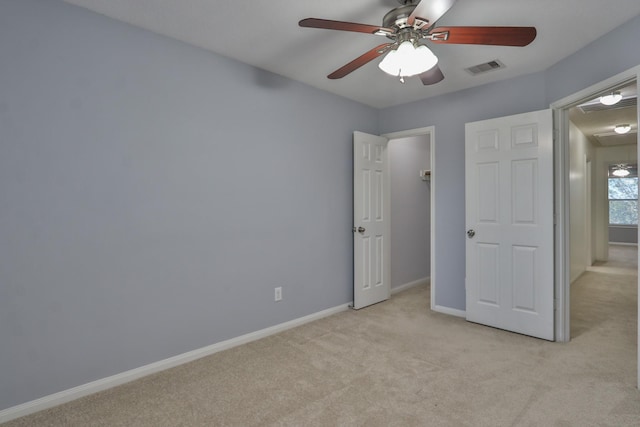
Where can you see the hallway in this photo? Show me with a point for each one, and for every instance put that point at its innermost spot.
(604, 299)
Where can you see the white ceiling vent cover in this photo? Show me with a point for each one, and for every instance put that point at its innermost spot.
(484, 68)
(595, 105)
(611, 138)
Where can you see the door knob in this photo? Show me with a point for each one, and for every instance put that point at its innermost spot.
(359, 229)
(471, 233)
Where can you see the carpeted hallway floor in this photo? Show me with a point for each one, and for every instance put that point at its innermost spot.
(399, 364)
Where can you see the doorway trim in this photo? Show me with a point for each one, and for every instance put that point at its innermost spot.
(562, 209)
(430, 130)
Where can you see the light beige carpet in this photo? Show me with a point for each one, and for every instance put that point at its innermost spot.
(399, 364)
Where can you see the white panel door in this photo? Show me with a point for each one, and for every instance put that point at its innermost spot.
(509, 219)
(371, 226)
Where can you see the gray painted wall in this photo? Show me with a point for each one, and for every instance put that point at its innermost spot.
(153, 195)
(623, 234)
(410, 210)
(611, 54)
(607, 56)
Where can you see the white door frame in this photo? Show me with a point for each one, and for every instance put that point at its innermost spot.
(589, 217)
(430, 130)
(561, 164)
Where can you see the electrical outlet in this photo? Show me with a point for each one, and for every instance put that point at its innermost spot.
(278, 294)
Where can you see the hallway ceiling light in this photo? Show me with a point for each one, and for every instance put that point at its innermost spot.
(611, 99)
(621, 171)
(622, 129)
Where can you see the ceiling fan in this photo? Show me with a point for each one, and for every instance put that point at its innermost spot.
(410, 26)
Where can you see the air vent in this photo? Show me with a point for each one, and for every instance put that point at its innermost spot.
(484, 68)
(595, 105)
(612, 138)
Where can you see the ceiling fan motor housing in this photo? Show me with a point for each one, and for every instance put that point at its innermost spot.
(396, 20)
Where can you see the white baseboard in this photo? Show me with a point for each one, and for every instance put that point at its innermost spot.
(406, 286)
(134, 374)
(449, 311)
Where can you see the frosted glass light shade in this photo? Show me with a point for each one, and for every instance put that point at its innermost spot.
(408, 60)
(611, 99)
(622, 129)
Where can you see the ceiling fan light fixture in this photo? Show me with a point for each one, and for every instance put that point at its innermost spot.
(621, 171)
(622, 129)
(408, 60)
(611, 99)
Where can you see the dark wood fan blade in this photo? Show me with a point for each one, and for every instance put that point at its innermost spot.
(499, 36)
(328, 24)
(432, 76)
(359, 61)
(430, 10)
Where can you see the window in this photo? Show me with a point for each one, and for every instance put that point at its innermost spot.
(623, 198)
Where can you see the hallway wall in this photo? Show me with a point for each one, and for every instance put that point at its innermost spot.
(579, 151)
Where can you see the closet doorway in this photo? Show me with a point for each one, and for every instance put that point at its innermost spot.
(412, 179)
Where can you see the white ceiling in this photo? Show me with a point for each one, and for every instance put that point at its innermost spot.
(265, 34)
